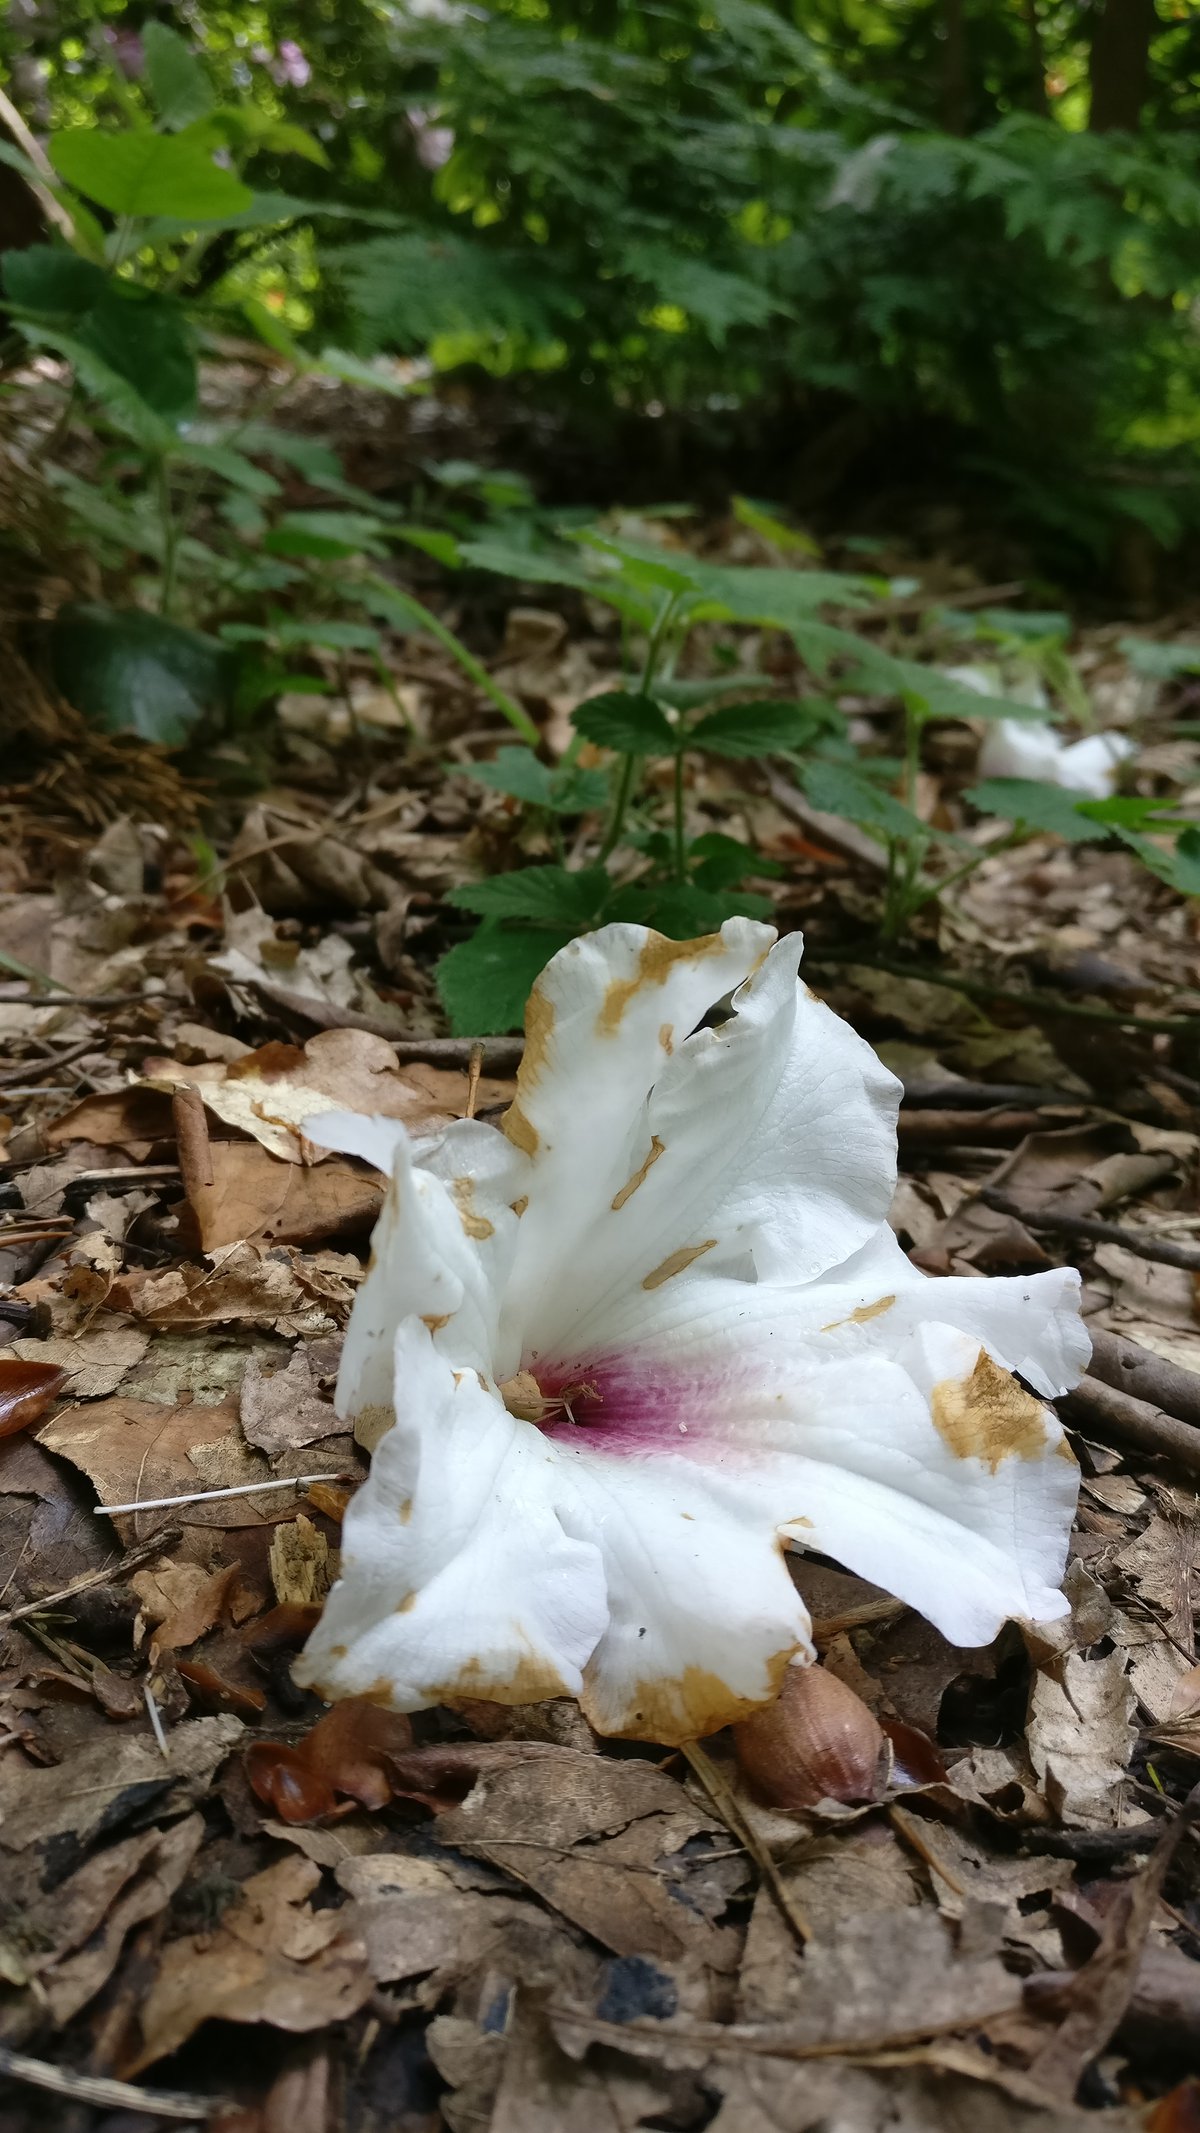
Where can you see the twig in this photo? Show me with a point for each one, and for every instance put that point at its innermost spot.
(1099, 1410)
(735, 1821)
(474, 1070)
(52, 208)
(986, 1095)
(501, 1055)
(108, 1574)
(1144, 1375)
(156, 1723)
(248, 1488)
(1038, 1003)
(1093, 1231)
(51, 1064)
(102, 2090)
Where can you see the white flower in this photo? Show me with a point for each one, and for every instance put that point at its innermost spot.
(1012, 749)
(628, 1348)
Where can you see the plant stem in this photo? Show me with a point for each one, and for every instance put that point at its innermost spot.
(416, 611)
(171, 532)
(680, 841)
(630, 764)
(621, 799)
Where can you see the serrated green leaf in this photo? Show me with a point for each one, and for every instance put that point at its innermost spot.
(130, 672)
(631, 724)
(719, 862)
(180, 89)
(840, 790)
(1179, 868)
(746, 730)
(1038, 806)
(142, 173)
(484, 983)
(548, 893)
(682, 910)
(520, 773)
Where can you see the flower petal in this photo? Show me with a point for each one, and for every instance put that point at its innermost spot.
(703, 1616)
(764, 1148)
(458, 1578)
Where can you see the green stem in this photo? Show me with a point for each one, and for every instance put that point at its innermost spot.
(415, 610)
(171, 532)
(624, 792)
(680, 839)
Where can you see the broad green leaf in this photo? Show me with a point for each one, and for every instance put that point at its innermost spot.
(643, 565)
(633, 725)
(1160, 662)
(328, 536)
(682, 910)
(485, 982)
(1038, 806)
(1179, 868)
(333, 635)
(130, 672)
(746, 730)
(719, 862)
(139, 336)
(548, 893)
(180, 89)
(519, 773)
(246, 126)
(143, 173)
(839, 790)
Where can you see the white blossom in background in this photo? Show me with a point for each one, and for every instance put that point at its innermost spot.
(1020, 748)
(614, 1357)
(1011, 749)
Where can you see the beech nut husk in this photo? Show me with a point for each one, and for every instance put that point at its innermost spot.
(817, 1741)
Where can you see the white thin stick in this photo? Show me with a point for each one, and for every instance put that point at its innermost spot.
(155, 1720)
(53, 209)
(249, 1488)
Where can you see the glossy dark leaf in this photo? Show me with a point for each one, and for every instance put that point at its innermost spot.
(26, 1391)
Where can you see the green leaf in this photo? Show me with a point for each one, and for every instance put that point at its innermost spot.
(138, 336)
(144, 173)
(334, 636)
(840, 790)
(745, 730)
(719, 862)
(180, 89)
(548, 893)
(1180, 868)
(633, 725)
(484, 983)
(1160, 662)
(1038, 806)
(681, 910)
(327, 536)
(519, 773)
(130, 672)
(246, 126)
(645, 566)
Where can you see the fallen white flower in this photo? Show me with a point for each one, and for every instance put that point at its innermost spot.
(628, 1348)
(1089, 767)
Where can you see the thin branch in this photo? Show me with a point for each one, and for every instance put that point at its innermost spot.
(102, 2090)
(108, 1574)
(1091, 1230)
(735, 1821)
(249, 1488)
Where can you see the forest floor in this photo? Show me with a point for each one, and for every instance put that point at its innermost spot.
(217, 1906)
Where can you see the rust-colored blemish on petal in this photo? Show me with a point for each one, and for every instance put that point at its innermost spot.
(529, 1679)
(407, 1603)
(435, 1321)
(988, 1416)
(406, 1510)
(676, 1263)
(687, 1707)
(655, 963)
(666, 1038)
(519, 1130)
(519, 1206)
(522, 1395)
(640, 1175)
(861, 1316)
(1062, 1450)
(475, 1225)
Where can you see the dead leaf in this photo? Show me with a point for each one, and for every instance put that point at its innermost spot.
(272, 1959)
(135, 1449)
(282, 1408)
(108, 1779)
(93, 1365)
(243, 1285)
(26, 1390)
(183, 1602)
(269, 1094)
(84, 1924)
(133, 1119)
(255, 1196)
(1081, 1737)
(301, 1571)
(350, 1752)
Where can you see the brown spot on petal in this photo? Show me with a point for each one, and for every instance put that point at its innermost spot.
(474, 1225)
(863, 1313)
(666, 1038)
(435, 1324)
(409, 1601)
(406, 1510)
(657, 1148)
(519, 1131)
(519, 1206)
(677, 1262)
(687, 1707)
(988, 1416)
(531, 1679)
(657, 959)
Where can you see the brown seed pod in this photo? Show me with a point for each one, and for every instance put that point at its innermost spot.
(818, 1741)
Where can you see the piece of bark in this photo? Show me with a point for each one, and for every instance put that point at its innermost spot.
(1099, 1410)
(191, 1137)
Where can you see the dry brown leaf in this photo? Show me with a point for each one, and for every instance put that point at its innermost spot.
(82, 1926)
(282, 1408)
(272, 1092)
(272, 1959)
(860, 1869)
(134, 1449)
(26, 1390)
(183, 1602)
(414, 1920)
(257, 1197)
(243, 1285)
(132, 1119)
(94, 1363)
(1081, 1737)
(107, 1778)
(351, 1752)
